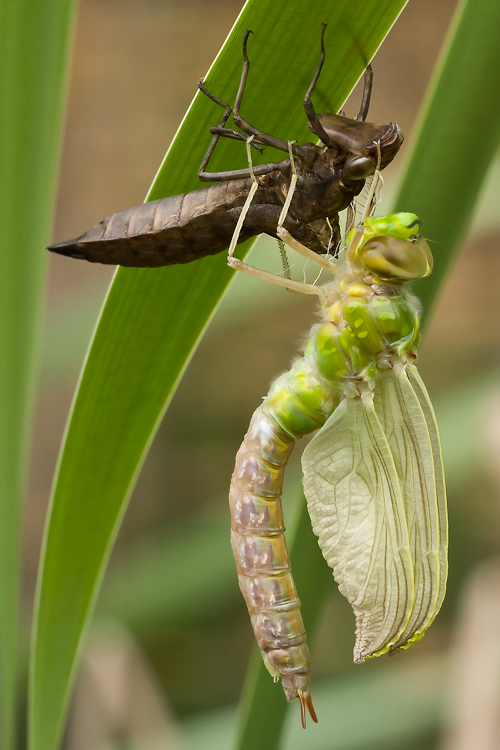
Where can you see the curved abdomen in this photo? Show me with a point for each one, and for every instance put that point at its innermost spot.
(259, 547)
(257, 535)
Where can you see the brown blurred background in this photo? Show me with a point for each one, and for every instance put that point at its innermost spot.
(136, 66)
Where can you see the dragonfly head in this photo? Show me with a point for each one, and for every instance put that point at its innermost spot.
(392, 248)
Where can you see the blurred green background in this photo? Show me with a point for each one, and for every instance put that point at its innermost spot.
(156, 653)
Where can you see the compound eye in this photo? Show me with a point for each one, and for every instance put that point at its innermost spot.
(391, 258)
(359, 168)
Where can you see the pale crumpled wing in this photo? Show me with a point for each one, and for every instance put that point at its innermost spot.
(405, 413)
(356, 508)
(430, 418)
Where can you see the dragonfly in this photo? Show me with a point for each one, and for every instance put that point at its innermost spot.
(373, 474)
(186, 227)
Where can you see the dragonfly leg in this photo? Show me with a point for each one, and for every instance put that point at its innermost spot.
(367, 93)
(291, 189)
(237, 174)
(350, 218)
(313, 118)
(246, 206)
(285, 236)
(284, 259)
(293, 286)
(239, 265)
(227, 113)
(371, 203)
(221, 129)
(236, 135)
(265, 138)
(217, 132)
(284, 212)
(320, 260)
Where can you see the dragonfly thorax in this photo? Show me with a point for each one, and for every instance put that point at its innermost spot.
(365, 326)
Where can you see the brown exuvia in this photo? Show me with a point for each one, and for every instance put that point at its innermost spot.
(185, 227)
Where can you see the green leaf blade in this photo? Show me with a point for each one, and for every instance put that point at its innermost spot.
(458, 135)
(32, 88)
(80, 537)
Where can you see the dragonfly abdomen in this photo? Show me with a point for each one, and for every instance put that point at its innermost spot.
(257, 536)
(177, 229)
(259, 547)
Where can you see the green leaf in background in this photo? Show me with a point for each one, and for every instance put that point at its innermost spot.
(153, 319)
(34, 45)
(398, 707)
(458, 136)
(135, 593)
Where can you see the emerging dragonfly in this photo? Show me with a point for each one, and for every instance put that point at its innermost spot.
(373, 475)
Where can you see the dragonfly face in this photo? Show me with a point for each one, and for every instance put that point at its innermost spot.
(391, 259)
(392, 248)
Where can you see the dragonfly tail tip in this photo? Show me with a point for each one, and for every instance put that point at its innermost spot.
(306, 702)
